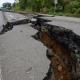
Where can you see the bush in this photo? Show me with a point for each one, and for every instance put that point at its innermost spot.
(74, 7)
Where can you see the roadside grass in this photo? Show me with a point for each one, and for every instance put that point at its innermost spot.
(50, 12)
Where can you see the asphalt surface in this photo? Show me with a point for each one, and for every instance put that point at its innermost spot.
(21, 56)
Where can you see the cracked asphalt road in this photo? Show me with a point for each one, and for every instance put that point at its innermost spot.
(21, 56)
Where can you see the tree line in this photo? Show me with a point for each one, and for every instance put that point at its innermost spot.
(48, 6)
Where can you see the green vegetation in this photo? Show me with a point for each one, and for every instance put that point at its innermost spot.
(64, 7)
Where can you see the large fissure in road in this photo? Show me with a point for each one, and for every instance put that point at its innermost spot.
(63, 50)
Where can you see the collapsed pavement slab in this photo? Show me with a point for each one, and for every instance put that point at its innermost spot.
(12, 19)
(16, 18)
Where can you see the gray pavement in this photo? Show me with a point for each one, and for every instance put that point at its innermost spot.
(74, 26)
(62, 18)
(12, 17)
(22, 57)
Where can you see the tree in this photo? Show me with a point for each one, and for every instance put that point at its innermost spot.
(35, 5)
(7, 5)
(47, 6)
(23, 4)
(64, 3)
